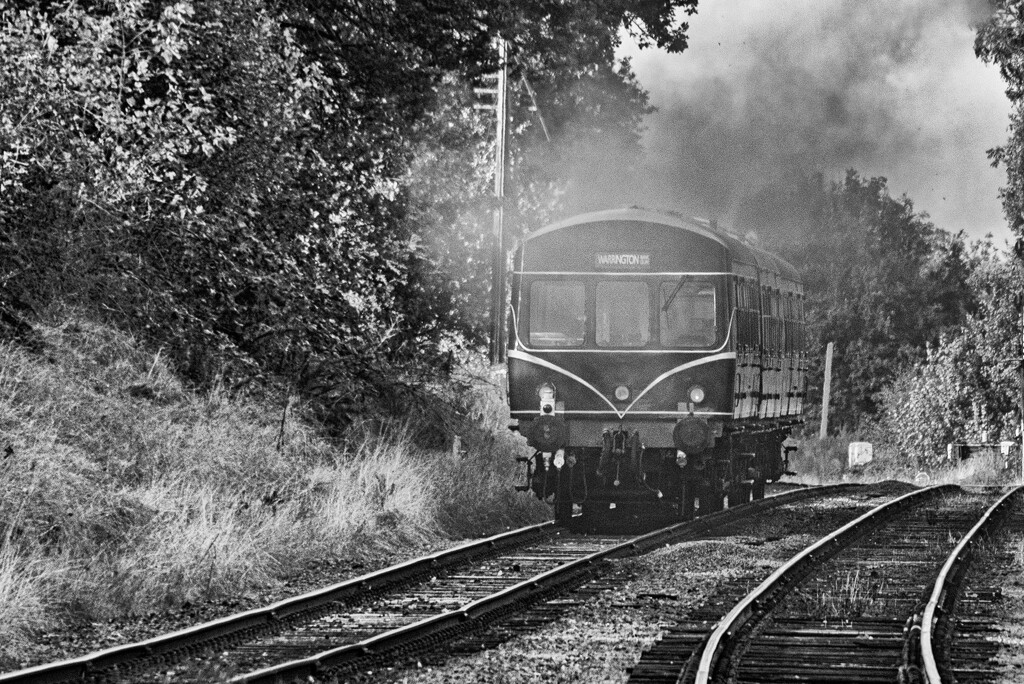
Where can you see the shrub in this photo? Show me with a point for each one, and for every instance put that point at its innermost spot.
(123, 492)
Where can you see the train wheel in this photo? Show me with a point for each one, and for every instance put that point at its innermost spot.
(563, 496)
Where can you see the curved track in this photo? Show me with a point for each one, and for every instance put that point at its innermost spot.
(371, 619)
(960, 635)
(845, 609)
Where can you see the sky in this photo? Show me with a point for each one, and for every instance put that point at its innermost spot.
(887, 88)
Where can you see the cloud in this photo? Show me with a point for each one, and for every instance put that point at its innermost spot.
(767, 89)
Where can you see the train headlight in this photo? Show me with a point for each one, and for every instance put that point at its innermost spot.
(546, 392)
(696, 394)
(622, 393)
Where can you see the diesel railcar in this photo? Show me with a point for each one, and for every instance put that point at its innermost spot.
(656, 365)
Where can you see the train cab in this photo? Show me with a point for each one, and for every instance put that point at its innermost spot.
(643, 367)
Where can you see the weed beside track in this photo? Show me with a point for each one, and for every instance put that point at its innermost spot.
(126, 496)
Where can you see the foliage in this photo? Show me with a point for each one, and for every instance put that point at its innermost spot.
(587, 103)
(881, 283)
(1000, 41)
(966, 388)
(122, 491)
(926, 330)
(288, 188)
(145, 140)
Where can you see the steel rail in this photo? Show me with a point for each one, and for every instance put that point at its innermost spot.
(950, 573)
(459, 620)
(729, 627)
(79, 669)
(270, 617)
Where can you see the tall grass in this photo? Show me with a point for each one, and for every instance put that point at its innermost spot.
(23, 600)
(123, 492)
(826, 461)
(845, 596)
(476, 494)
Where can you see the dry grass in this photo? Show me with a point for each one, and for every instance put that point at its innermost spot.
(819, 461)
(23, 599)
(123, 492)
(825, 462)
(844, 596)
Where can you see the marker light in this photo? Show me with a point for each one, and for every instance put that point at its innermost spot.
(696, 394)
(559, 460)
(681, 458)
(622, 393)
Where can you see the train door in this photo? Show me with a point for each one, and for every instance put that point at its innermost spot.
(748, 363)
(800, 353)
(788, 360)
(765, 393)
(779, 343)
(752, 387)
(736, 288)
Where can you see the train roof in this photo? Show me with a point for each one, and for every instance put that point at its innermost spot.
(740, 250)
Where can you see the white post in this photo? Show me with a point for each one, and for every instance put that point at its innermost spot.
(827, 392)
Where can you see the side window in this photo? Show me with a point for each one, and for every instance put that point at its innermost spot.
(557, 313)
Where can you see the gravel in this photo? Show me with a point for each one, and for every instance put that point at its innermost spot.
(597, 633)
(593, 634)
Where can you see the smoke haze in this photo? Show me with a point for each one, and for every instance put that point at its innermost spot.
(769, 89)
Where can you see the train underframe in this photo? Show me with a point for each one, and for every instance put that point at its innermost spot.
(624, 485)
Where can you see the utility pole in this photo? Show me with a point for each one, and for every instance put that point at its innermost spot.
(1020, 377)
(498, 258)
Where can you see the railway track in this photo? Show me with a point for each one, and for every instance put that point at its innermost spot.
(848, 608)
(375, 618)
(962, 637)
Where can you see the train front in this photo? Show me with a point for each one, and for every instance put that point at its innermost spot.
(621, 362)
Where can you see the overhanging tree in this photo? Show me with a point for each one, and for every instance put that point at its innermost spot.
(236, 178)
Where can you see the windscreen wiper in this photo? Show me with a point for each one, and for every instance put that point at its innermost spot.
(671, 297)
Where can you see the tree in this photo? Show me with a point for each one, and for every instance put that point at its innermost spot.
(244, 181)
(881, 283)
(1000, 41)
(966, 387)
